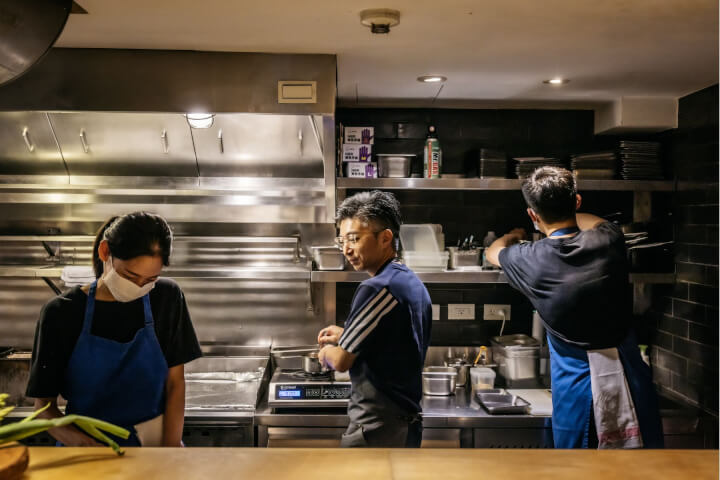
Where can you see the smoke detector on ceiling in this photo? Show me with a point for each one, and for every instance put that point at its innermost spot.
(380, 19)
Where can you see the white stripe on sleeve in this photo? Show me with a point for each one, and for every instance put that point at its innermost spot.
(360, 324)
(364, 334)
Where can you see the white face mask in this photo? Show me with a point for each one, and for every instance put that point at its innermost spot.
(537, 227)
(121, 288)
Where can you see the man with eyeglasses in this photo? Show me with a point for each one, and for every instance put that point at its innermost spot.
(387, 332)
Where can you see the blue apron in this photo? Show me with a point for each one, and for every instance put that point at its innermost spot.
(120, 383)
(572, 394)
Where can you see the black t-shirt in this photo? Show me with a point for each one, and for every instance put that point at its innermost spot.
(61, 321)
(578, 285)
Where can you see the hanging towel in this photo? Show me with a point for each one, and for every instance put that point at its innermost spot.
(76, 275)
(615, 417)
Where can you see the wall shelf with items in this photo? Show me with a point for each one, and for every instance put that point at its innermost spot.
(489, 276)
(494, 184)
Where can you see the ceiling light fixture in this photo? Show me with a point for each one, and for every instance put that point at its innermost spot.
(431, 78)
(556, 81)
(380, 19)
(200, 120)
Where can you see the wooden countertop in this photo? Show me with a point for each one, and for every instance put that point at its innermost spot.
(374, 464)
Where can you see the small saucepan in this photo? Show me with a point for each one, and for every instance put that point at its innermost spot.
(311, 363)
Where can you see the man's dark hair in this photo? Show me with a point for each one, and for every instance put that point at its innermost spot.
(133, 235)
(550, 192)
(380, 208)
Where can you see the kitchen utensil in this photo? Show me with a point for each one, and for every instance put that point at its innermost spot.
(328, 258)
(439, 380)
(311, 363)
(517, 357)
(463, 370)
(461, 257)
(499, 403)
(394, 165)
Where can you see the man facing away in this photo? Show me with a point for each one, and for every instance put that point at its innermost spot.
(387, 332)
(577, 280)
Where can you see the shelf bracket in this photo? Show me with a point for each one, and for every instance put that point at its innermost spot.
(52, 285)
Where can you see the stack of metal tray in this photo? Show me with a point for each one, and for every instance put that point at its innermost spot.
(502, 403)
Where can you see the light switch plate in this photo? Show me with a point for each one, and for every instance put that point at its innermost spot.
(435, 311)
(461, 311)
(496, 312)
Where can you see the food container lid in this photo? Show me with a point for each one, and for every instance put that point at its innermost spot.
(517, 340)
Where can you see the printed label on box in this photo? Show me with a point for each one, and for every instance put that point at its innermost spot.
(357, 153)
(363, 135)
(361, 170)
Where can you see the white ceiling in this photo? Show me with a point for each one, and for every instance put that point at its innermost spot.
(494, 52)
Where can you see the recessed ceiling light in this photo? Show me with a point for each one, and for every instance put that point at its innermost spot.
(431, 78)
(200, 120)
(556, 81)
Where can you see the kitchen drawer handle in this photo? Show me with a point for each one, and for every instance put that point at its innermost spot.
(83, 140)
(164, 139)
(26, 137)
(220, 141)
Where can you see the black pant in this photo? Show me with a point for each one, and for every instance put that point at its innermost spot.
(392, 434)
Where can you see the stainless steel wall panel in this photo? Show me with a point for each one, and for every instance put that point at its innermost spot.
(254, 145)
(28, 147)
(140, 144)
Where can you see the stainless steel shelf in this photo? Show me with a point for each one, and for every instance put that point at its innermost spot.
(494, 184)
(251, 273)
(491, 276)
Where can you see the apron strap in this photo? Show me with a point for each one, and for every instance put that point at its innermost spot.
(89, 309)
(147, 311)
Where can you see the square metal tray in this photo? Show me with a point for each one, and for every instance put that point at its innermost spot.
(503, 403)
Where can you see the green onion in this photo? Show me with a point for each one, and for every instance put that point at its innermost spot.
(30, 426)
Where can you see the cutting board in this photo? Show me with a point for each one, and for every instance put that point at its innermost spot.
(13, 461)
(540, 400)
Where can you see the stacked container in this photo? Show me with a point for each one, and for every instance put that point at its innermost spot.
(423, 247)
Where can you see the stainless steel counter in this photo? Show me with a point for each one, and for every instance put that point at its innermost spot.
(454, 411)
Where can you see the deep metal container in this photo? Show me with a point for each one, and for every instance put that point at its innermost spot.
(328, 258)
(517, 357)
(439, 380)
(394, 165)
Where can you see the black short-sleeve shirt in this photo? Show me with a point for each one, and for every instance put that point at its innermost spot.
(578, 285)
(61, 321)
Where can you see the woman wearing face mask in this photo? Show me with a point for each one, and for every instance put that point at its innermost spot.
(116, 349)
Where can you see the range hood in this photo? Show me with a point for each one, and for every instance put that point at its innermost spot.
(98, 118)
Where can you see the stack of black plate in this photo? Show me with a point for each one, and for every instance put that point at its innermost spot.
(493, 164)
(527, 165)
(640, 160)
(595, 165)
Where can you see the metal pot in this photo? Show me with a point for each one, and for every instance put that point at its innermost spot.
(311, 363)
(463, 371)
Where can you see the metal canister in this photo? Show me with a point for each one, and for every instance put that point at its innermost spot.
(463, 371)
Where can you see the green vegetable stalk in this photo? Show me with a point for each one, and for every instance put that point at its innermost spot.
(29, 426)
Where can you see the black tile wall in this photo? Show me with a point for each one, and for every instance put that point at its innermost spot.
(686, 317)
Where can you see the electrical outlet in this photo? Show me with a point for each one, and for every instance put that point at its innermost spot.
(435, 311)
(496, 312)
(461, 311)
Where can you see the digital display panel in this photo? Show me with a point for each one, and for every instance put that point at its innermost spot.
(289, 394)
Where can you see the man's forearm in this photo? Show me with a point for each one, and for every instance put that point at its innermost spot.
(337, 358)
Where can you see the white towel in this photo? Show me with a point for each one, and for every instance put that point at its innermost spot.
(615, 417)
(74, 275)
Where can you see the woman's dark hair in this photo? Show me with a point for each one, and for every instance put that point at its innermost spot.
(133, 235)
(550, 192)
(380, 208)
